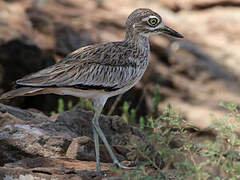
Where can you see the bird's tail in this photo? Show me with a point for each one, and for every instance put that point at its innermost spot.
(23, 91)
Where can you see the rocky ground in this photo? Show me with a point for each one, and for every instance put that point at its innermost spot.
(194, 75)
(35, 145)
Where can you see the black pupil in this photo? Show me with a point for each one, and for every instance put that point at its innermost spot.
(153, 21)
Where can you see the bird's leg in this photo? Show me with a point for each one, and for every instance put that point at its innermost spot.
(96, 143)
(98, 105)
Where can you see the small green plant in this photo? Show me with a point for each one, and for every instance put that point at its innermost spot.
(142, 174)
(224, 153)
(60, 105)
(128, 115)
(184, 157)
(133, 116)
(61, 108)
(85, 104)
(164, 132)
(125, 113)
(141, 122)
(70, 104)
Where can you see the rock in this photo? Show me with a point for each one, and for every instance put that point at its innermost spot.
(14, 22)
(68, 39)
(21, 135)
(82, 148)
(48, 168)
(18, 59)
(41, 21)
(79, 122)
(21, 140)
(117, 132)
(177, 5)
(33, 135)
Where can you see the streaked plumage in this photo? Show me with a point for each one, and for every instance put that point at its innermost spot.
(99, 71)
(107, 67)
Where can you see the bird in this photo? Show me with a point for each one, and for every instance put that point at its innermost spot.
(100, 71)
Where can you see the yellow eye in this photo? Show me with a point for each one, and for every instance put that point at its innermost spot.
(153, 21)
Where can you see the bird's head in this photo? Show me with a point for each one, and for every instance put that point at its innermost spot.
(146, 22)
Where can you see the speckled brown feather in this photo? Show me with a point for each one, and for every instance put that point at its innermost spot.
(110, 65)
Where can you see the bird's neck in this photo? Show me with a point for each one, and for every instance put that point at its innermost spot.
(138, 40)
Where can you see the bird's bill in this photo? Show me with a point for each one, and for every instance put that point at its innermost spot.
(167, 30)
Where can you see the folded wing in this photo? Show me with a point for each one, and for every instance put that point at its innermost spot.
(85, 68)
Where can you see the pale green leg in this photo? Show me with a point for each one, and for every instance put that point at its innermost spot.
(96, 143)
(98, 105)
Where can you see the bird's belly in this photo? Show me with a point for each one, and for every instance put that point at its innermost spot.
(129, 84)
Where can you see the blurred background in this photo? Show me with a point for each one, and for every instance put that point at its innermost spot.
(194, 74)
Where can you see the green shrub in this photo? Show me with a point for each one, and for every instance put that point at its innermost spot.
(184, 157)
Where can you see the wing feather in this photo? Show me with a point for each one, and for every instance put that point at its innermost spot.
(89, 66)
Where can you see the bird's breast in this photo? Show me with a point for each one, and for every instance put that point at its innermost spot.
(133, 74)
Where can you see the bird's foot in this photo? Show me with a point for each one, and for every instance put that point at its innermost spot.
(101, 173)
(98, 167)
(119, 165)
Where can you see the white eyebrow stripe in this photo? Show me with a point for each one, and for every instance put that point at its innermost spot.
(147, 18)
